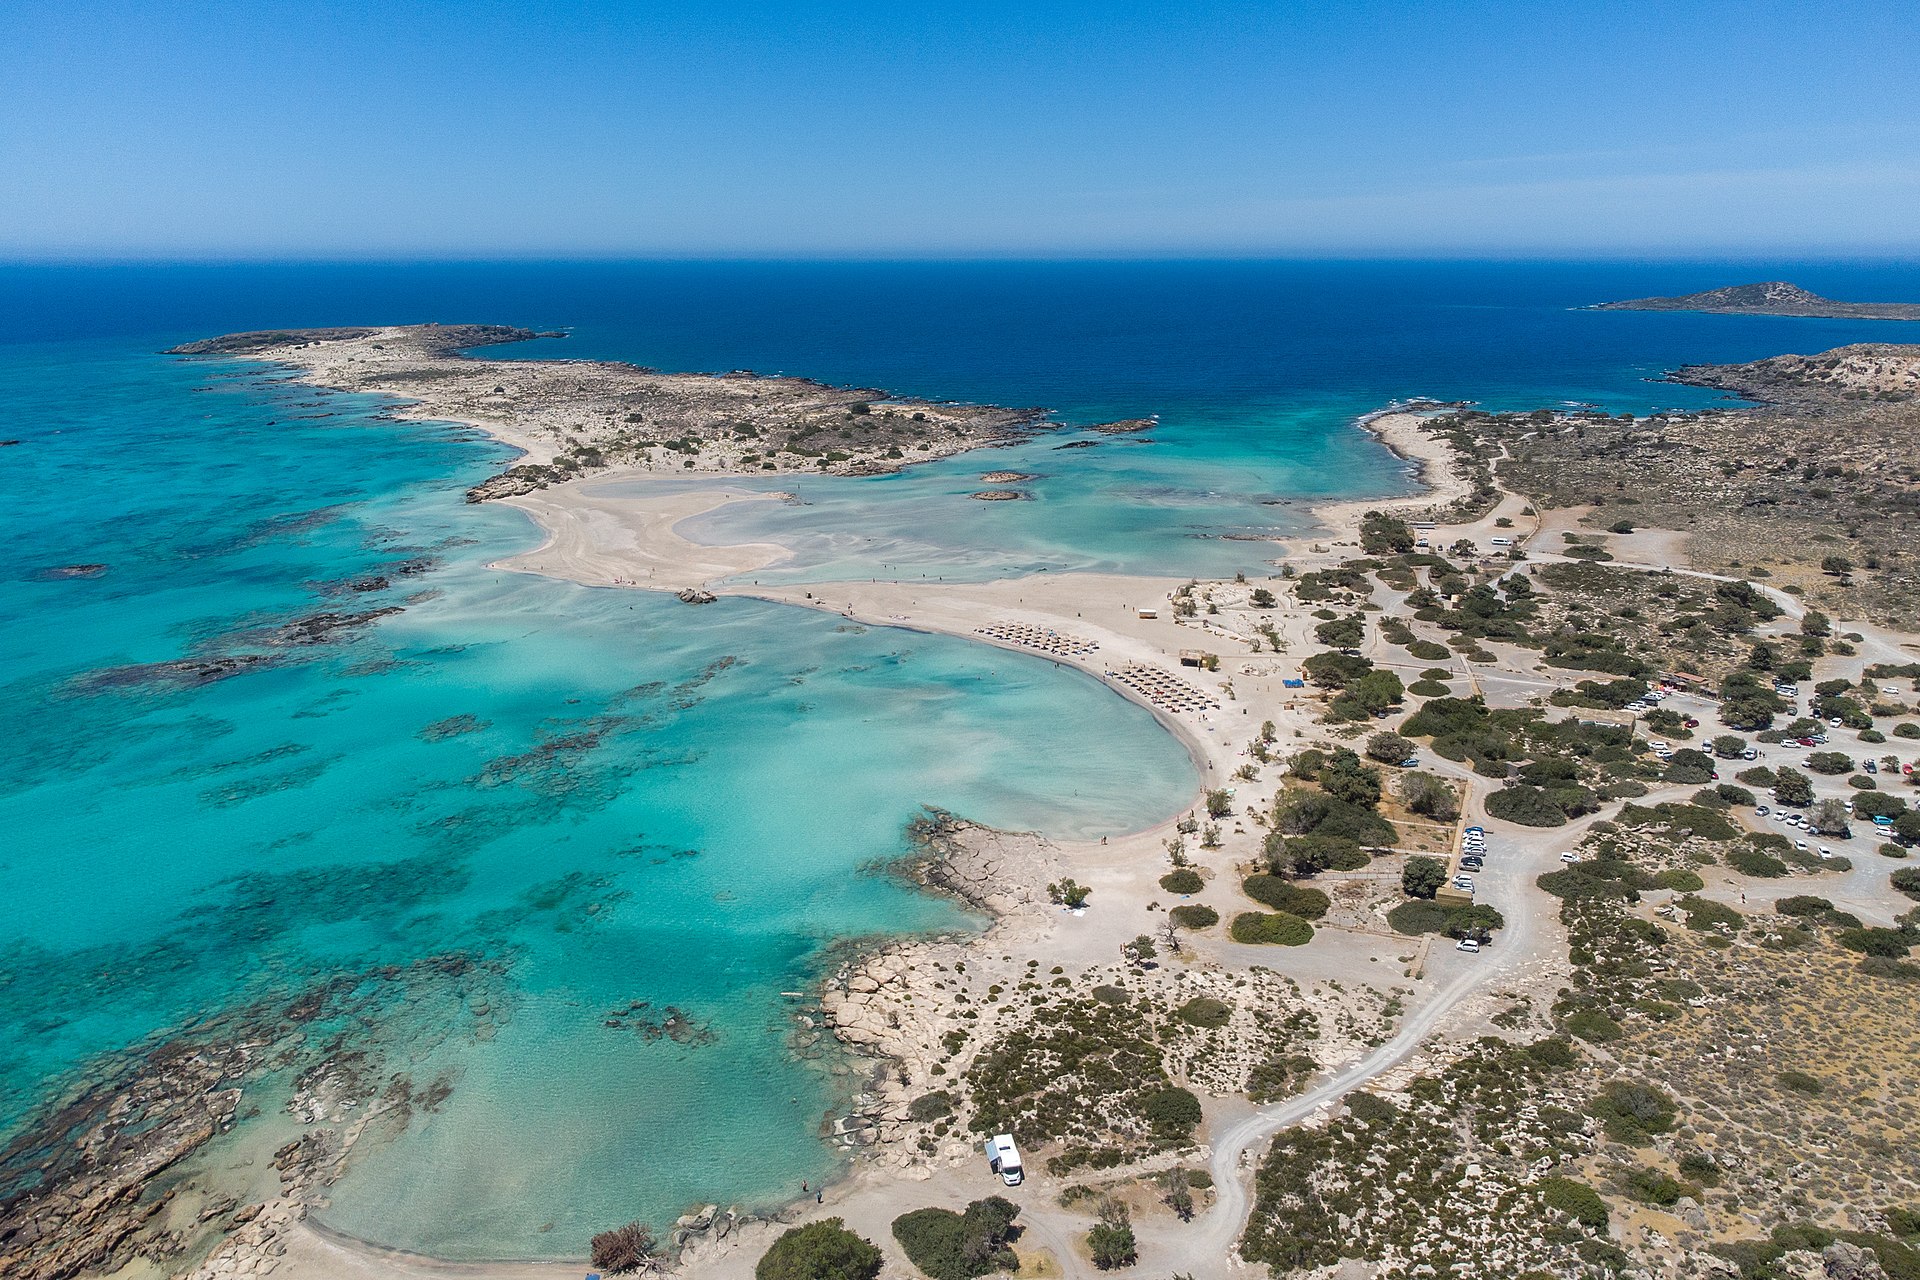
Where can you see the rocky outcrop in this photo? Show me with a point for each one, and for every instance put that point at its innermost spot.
(694, 595)
(1880, 370)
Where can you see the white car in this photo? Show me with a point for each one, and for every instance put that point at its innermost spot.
(1466, 944)
(1801, 845)
(1569, 856)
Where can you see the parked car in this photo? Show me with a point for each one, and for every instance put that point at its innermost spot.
(1762, 810)
(1466, 944)
(1749, 754)
(1569, 857)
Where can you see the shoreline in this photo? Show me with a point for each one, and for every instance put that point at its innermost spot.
(633, 543)
(1402, 433)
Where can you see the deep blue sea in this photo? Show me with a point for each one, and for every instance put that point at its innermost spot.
(622, 804)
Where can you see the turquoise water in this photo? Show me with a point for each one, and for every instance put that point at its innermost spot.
(651, 803)
(612, 798)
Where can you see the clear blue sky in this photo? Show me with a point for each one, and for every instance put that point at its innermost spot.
(560, 128)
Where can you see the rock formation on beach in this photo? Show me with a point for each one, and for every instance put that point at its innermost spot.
(1770, 298)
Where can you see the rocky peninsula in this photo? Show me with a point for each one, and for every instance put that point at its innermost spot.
(574, 418)
(1769, 298)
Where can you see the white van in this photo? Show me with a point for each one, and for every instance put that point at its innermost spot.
(1004, 1157)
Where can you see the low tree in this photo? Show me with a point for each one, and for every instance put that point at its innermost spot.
(1179, 1194)
(1728, 746)
(1140, 952)
(960, 1246)
(823, 1250)
(1388, 748)
(625, 1250)
(1344, 778)
(1430, 797)
(1219, 804)
(1068, 893)
(1829, 817)
(1792, 788)
(1342, 633)
(1111, 1241)
(1263, 598)
(1422, 876)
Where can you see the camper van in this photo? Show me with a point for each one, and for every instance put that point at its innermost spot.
(1005, 1159)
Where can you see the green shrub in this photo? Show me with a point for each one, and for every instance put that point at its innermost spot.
(931, 1106)
(1529, 806)
(1831, 763)
(1705, 915)
(1284, 895)
(1650, 1186)
(1279, 1077)
(1111, 1245)
(1465, 922)
(1417, 916)
(1204, 1011)
(1422, 876)
(1749, 861)
(1428, 651)
(1681, 880)
(1907, 881)
(1594, 1027)
(1194, 915)
(1634, 1113)
(1575, 1199)
(1185, 880)
(1172, 1111)
(823, 1250)
(1278, 928)
(1801, 1082)
(1803, 904)
(1370, 1108)
(959, 1246)
(1553, 1052)
(1888, 944)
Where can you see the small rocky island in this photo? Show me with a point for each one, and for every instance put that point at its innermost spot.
(1769, 298)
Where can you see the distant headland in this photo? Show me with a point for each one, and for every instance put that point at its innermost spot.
(1770, 298)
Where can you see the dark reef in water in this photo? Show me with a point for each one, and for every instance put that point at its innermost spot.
(115, 1170)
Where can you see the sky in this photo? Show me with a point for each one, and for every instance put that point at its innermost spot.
(497, 128)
